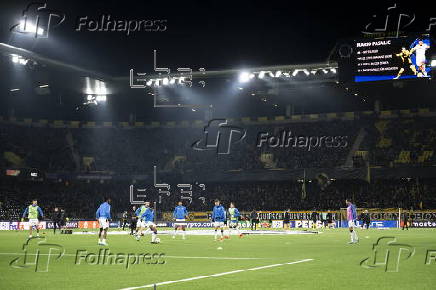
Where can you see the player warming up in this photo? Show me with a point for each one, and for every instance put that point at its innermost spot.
(180, 213)
(148, 218)
(103, 216)
(234, 219)
(351, 217)
(33, 212)
(218, 219)
(140, 223)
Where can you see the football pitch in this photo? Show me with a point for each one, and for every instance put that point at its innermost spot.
(403, 260)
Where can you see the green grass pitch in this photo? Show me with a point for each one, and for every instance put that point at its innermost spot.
(251, 262)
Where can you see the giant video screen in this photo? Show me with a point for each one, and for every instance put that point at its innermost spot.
(392, 59)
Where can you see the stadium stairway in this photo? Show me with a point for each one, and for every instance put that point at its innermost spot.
(356, 145)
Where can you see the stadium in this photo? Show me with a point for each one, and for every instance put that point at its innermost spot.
(199, 145)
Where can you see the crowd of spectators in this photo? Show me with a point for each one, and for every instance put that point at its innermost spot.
(80, 199)
(136, 150)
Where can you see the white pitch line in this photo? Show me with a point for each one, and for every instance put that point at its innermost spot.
(226, 273)
(214, 275)
(165, 256)
(264, 267)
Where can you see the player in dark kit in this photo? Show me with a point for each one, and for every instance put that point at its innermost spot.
(366, 220)
(57, 217)
(124, 219)
(133, 220)
(405, 221)
(406, 63)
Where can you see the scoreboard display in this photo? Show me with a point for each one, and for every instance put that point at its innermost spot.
(392, 59)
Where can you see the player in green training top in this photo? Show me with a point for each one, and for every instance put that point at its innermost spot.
(234, 216)
(33, 213)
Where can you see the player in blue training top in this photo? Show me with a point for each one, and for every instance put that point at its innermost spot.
(218, 218)
(148, 217)
(180, 213)
(140, 223)
(351, 217)
(103, 215)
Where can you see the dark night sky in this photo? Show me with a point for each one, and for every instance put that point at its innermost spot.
(214, 35)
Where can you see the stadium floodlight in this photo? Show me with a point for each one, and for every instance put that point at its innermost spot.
(333, 70)
(325, 71)
(295, 72)
(18, 59)
(149, 83)
(165, 81)
(43, 86)
(14, 90)
(244, 77)
(25, 26)
(433, 63)
(89, 97)
(278, 73)
(101, 98)
(261, 75)
(15, 58)
(306, 72)
(172, 81)
(23, 61)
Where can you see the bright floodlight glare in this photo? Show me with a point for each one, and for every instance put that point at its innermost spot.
(295, 72)
(433, 62)
(278, 73)
(89, 97)
(165, 81)
(101, 98)
(14, 90)
(15, 58)
(43, 86)
(172, 81)
(244, 77)
(149, 83)
(261, 74)
(333, 70)
(23, 61)
(25, 26)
